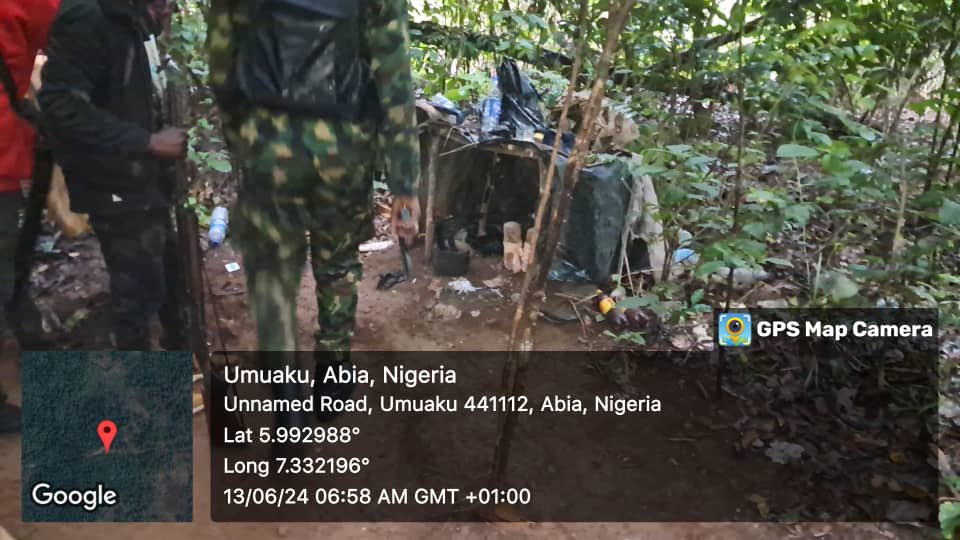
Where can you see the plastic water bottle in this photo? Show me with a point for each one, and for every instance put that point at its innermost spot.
(218, 226)
(492, 107)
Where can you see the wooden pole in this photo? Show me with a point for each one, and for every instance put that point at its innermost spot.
(433, 154)
(521, 338)
(191, 294)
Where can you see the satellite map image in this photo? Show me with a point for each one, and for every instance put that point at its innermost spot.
(107, 437)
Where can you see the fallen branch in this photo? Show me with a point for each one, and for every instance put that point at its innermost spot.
(521, 340)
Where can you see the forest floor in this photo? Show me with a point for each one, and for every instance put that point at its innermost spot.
(72, 291)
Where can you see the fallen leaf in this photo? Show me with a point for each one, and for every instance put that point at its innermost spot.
(495, 283)
(915, 492)
(75, 319)
(747, 440)
(762, 506)
(898, 457)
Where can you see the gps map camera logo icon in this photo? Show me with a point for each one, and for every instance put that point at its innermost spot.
(736, 330)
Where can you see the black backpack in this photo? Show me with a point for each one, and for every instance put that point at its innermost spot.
(304, 56)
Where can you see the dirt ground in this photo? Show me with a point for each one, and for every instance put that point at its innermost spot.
(388, 320)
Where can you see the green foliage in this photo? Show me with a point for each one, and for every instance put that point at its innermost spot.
(202, 134)
(632, 338)
(185, 40)
(949, 518)
(840, 194)
(204, 215)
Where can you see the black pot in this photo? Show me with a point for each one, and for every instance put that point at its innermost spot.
(451, 263)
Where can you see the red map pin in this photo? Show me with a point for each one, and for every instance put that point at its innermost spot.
(107, 430)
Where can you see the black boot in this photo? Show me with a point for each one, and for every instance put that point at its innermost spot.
(26, 322)
(288, 392)
(173, 342)
(339, 391)
(9, 419)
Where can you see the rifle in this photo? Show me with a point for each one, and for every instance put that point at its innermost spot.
(188, 233)
(39, 189)
(191, 293)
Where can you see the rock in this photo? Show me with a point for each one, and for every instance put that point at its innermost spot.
(784, 452)
(475, 313)
(742, 277)
(445, 312)
(681, 342)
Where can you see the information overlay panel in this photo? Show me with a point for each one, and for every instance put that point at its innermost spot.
(804, 428)
(108, 437)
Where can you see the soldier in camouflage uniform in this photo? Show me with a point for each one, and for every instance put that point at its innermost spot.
(305, 173)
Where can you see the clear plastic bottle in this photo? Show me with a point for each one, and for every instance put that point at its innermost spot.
(492, 107)
(218, 226)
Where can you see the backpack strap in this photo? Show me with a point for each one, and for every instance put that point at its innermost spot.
(341, 9)
(23, 108)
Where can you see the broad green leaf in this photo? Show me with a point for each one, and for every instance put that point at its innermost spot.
(949, 213)
(838, 286)
(779, 262)
(949, 518)
(799, 213)
(709, 268)
(796, 151)
(636, 302)
(756, 230)
(651, 170)
(220, 165)
(763, 196)
(697, 296)
(700, 161)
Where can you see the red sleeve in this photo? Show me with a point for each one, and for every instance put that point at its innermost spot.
(23, 30)
(15, 44)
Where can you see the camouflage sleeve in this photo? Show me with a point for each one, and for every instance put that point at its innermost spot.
(388, 38)
(227, 24)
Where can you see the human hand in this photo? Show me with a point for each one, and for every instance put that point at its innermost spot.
(168, 143)
(405, 225)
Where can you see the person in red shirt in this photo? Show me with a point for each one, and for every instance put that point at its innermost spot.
(23, 32)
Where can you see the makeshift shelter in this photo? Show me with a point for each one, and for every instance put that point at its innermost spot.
(497, 181)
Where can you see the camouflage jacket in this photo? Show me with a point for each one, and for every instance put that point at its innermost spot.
(387, 39)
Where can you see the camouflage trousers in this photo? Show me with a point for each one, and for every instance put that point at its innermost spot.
(305, 194)
(141, 255)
